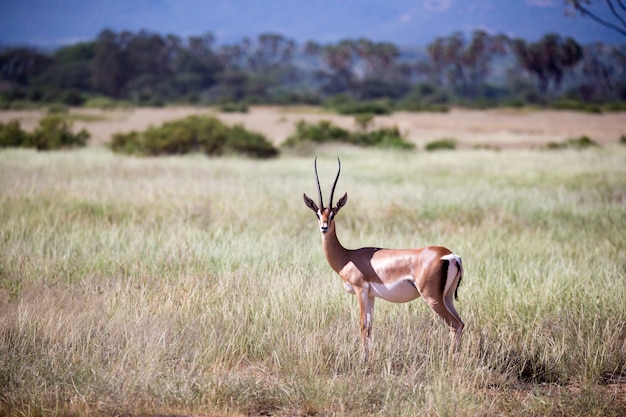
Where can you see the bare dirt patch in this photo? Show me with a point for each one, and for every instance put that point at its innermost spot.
(500, 128)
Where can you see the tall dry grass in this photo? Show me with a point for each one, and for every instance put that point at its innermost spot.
(195, 285)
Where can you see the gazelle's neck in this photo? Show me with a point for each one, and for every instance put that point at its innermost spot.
(336, 255)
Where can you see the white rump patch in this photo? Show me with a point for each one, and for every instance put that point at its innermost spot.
(455, 263)
(451, 257)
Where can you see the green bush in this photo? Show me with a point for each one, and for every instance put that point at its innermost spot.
(365, 107)
(204, 134)
(364, 120)
(389, 137)
(53, 132)
(249, 143)
(615, 106)
(573, 104)
(441, 144)
(581, 142)
(622, 139)
(12, 135)
(126, 143)
(192, 134)
(324, 131)
(58, 108)
(426, 97)
(105, 103)
(234, 107)
(344, 104)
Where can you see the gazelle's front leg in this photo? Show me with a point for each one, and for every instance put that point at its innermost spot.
(366, 307)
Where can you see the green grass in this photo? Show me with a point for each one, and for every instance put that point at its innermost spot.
(182, 285)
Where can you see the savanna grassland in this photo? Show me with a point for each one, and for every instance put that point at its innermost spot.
(190, 285)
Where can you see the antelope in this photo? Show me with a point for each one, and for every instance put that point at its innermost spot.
(395, 275)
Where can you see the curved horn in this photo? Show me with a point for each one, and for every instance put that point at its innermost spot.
(319, 189)
(332, 191)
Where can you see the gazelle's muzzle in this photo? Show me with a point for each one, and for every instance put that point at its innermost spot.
(324, 227)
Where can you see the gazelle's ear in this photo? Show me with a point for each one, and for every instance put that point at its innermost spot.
(342, 202)
(310, 204)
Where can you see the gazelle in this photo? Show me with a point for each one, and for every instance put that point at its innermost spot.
(396, 275)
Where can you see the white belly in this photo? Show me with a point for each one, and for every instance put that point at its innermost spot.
(398, 292)
(401, 291)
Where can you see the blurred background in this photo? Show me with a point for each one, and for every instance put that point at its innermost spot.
(418, 55)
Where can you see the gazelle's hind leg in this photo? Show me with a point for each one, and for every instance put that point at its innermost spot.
(457, 323)
(440, 306)
(454, 274)
(440, 298)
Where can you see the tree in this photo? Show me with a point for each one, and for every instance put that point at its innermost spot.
(548, 59)
(70, 69)
(463, 66)
(196, 66)
(21, 65)
(339, 58)
(270, 52)
(150, 69)
(109, 66)
(603, 73)
(361, 67)
(477, 57)
(616, 7)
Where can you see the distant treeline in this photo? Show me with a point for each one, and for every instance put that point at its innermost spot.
(359, 75)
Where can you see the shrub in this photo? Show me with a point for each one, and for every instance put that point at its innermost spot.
(581, 142)
(426, 97)
(72, 98)
(324, 131)
(126, 143)
(389, 137)
(105, 103)
(233, 107)
(441, 144)
(575, 105)
(344, 104)
(364, 120)
(204, 134)
(12, 135)
(249, 143)
(366, 107)
(622, 139)
(58, 108)
(615, 106)
(192, 134)
(54, 132)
